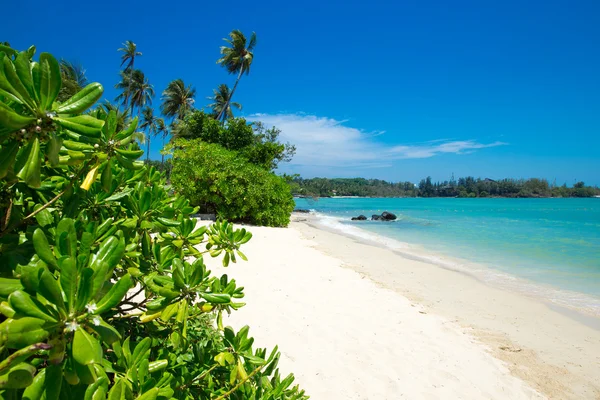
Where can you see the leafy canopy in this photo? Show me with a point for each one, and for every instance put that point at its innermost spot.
(219, 180)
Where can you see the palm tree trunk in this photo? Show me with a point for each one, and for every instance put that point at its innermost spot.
(130, 80)
(224, 110)
(162, 161)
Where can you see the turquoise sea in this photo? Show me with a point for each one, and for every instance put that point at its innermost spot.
(544, 247)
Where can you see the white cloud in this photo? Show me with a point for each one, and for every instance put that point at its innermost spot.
(328, 143)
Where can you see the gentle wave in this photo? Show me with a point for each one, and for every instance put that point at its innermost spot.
(564, 298)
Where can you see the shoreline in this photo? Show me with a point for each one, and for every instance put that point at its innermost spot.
(563, 299)
(554, 348)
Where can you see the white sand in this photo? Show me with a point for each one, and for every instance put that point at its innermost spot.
(347, 329)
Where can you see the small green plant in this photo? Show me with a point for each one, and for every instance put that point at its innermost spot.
(103, 290)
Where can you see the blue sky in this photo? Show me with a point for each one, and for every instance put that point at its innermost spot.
(395, 90)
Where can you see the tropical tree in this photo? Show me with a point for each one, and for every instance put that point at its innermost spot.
(151, 125)
(221, 98)
(130, 52)
(237, 58)
(73, 79)
(137, 90)
(177, 99)
(163, 131)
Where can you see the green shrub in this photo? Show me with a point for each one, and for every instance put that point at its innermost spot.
(103, 288)
(254, 141)
(220, 180)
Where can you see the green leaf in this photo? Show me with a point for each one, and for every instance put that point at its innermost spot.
(9, 153)
(119, 195)
(83, 124)
(84, 292)
(29, 306)
(66, 238)
(114, 295)
(16, 85)
(68, 280)
(12, 120)
(151, 394)
(100, 386)
(53, 382)
(107, 333)
(7, 286)
(242, 255)
(24, 331)
(157, 365)
(50, 80)
(23, 70)
(168, 222)
(120, 391)
(218, 298)
(28, 163)
(141, 351)
(19, 377)
(82, 100)
(129, 131)
(178, 274)
(35, 391)
(86, 349)
(42, 248)
(53, 149)
(50, 289)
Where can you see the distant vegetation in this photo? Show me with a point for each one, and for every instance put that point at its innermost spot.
(463, 187)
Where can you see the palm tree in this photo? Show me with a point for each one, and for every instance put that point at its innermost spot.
(150, 125)
(73, 79)
(163, 130)
(130, 52)
(237, 58)
(177, 99)
(137, 90)
(222, 96)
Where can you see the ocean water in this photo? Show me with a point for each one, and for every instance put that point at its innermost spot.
(542, 247)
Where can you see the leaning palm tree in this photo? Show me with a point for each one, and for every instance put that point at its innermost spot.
(137, 90)
(130, 52)
(73, 79)
(150, 125)
(177, 99)
(221, 98)
(237, 58)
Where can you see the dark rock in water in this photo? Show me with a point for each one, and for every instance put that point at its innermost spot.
(387, 216)
(301, 210)
(359, 218)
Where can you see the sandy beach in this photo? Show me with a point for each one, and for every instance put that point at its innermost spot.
(356, 321)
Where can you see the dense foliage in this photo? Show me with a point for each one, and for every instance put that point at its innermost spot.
(253, 141)
(103, 290)
(464, 187)
(221, 181)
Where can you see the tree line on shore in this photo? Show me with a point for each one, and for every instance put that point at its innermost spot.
(463, 187)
